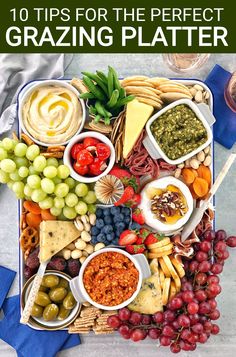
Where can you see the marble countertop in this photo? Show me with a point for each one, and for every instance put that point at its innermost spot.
(223, 344)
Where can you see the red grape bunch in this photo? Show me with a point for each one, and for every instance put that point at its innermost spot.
(189, 318)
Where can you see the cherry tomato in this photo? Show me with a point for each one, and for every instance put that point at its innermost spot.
(90, 142)
(81, 170)
(103, 151)
(84, 157)
(75, 149)
(97, 167)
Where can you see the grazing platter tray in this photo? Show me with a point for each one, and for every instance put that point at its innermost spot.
(110, 175)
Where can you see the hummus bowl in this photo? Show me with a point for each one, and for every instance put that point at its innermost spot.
(50, 112)
(137, 262)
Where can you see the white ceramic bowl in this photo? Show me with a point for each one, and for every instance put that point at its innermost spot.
(145, 205)
(78, 138)
(39, 321)
(81, 295)
(27, 90)
(153, 147)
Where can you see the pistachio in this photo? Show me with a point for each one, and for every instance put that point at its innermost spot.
(193, 91)
(99, 246)
(187, 163)
(76, 254)
(201, 156)
(207, 150)
(85, 254)
(86, 236)
(177, 173)
(84, 218)
(82, 259)
(206, 95)
(87, 227)
(80, 244)
(181, 166)
(207, 161)
(198, 97)
(92, 219)
(194, 163)
(198, 87)
(79, 225)
(71, 246)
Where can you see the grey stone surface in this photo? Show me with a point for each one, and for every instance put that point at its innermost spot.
(106, 346)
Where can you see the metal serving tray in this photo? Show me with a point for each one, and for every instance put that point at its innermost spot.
(26, 87)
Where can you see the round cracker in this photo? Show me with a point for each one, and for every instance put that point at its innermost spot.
(166, 290)
(149, 96)
(159, 255)
(162, 249)
(151, 102)
(174, 88)
(138, 83)
(173, 96)
(139, 90)
(157, 81)
(161, 243)
(133, 78)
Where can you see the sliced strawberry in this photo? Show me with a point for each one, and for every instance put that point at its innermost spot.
(119, 173)
(134, 201)
(127, 195)
(152, 238)
(135, 249)
(127, 237)
(144, 232)
(138, 217)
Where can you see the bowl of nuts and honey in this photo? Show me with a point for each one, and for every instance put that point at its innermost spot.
(167, 204)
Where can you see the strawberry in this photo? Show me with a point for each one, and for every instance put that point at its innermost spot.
(127, 195)
(127, 237)
(134, 201)
(131, 181)
(119, 173)
(152, 238)
(135, 249)
(137, 216)
(142, 235)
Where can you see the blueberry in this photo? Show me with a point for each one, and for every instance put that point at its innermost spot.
(107, 229)
(95, 231)
(106, 212)
(106, 242)
(101, 238)
(110, 236)
(125, 211)
(115, 241)
(127, 220)
(99, 213)
(120, 225)
(118, 218)
(135, 225)
(99, 223)
(115, 210)
(108, 219)
(94, 240)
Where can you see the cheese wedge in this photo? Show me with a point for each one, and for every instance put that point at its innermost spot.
(54, 236)
(137, 114)
(149, 299)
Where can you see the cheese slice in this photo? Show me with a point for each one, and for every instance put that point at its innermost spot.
(54, 236)
(137, 114)
(149, 299)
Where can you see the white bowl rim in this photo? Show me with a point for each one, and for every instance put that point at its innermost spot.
(169, 180)
(54, 323)
(101, 251)
(77, 139)
(25, 92)
(200, 116)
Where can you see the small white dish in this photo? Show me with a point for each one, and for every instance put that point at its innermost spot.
(78, 138)
(155, 150)
(145, 205)
(39, 321)
(25, 93)
(81, 295)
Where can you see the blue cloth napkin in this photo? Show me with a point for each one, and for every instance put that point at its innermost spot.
(6, 279)
(26, 341)
(225, 125)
